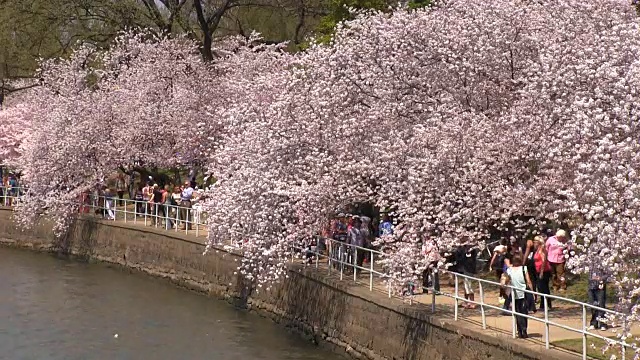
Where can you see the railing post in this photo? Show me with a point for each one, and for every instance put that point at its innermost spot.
(514, 323)
(177, 216)
(135, 211)
(186, 221)
(433, 290)
(340, 257)
(584, 332)
(455, 297)
(167, 216)
(370, 270)
(125, 210)
(546, 322)
(623, 351)
(317, 252)
(484, 318)
(330, 251)
(355, 263)
(196, 220)
(146, 212)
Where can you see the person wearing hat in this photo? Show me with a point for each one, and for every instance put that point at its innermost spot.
(556, 246)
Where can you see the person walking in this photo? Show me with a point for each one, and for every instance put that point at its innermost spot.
(139, 199)
(598, 277)
(386, 226)
(121, 187)
(166, 204)
(497, 264)
(529, 252)
(520, 280)
(430, 276)
(147, 194)
(543, 269)
(157, 205)
(466, 265)
(185, 204)
(556, 247)
(109, 202)
(512, 251)
(357, 240)
(367, 235)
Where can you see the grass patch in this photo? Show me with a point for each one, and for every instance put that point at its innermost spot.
(594, 348)
(577, 287)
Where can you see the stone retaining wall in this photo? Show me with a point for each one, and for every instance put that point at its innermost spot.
(366, 325)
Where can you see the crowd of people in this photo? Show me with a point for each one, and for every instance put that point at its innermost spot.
(539, 265)
(536, 264)
(9, 189)
(171, 206)
(346, 238)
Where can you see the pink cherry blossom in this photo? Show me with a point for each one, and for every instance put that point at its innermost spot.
(15, 126)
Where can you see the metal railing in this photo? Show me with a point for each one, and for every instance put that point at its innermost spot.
(346, 257)
(9, 196)
(159, 215)
(169, 217)
(344, 260)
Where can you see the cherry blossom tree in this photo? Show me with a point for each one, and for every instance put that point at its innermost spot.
(15, 126)
(461, 118)
(99, 111)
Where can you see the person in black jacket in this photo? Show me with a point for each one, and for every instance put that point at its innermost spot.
(466, 256)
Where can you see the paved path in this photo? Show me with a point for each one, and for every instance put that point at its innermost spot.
(497, 324)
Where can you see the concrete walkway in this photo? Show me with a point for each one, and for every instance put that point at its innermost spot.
(496, 323)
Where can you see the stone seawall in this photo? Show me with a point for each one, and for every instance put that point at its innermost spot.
(366, 325)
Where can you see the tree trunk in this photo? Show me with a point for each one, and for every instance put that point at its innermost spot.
(206, 51)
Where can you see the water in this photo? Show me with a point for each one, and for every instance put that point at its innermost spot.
(58, 309)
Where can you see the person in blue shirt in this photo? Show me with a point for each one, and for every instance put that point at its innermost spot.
(385, 227)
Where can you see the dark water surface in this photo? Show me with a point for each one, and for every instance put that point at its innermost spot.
(59, 309)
